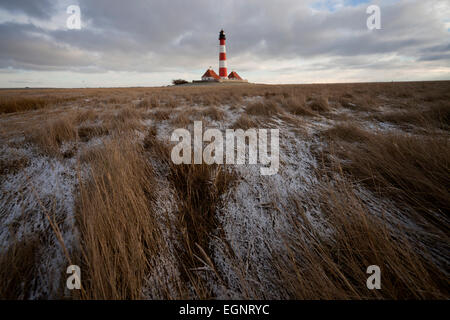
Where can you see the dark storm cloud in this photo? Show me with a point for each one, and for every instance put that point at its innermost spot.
(35, 51)
(33, 8)
(164, 35)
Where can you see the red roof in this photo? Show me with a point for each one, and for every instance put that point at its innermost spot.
(234, 75)
(211, 74)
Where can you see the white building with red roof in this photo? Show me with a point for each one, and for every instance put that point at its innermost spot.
(210, 75)
(234, 76)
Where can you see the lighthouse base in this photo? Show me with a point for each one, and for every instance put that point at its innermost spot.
(220, 81)
(232, 81)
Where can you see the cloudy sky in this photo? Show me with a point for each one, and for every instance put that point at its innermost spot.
(150, 42)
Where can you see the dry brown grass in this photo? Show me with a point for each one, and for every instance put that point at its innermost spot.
(316, 266)
(363, 95)
(88, 115)
(117, 224)
(181, 120)
(319, 104)
(121, 237)
(244, 122)
(152, 102)
(126, 120)
(363, 101)
(13, 165)
(199, 188)
(198, 195)
(171, 102)
(347, 132)
(50, 135)
(214, 113)
(211, 100)
(86, 133)
(297, 106)
(161, 115)
(18, 268)
(434, 116)
(263, 108)
(411, 169)
(10, 104)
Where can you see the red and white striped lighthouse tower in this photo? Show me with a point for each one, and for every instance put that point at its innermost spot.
(222, 56)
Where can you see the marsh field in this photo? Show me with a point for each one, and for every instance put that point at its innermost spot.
(86, 179)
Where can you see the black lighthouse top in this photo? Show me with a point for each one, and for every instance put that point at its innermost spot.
(222, 35)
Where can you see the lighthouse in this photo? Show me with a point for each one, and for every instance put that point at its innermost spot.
(223, 76)
(222, 56)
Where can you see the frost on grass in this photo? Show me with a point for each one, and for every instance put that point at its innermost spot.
(44, 187)
(253, 218)
(256, 213)
(163, 282)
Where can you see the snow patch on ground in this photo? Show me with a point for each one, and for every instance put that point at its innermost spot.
(46, 186)
(254, 214)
